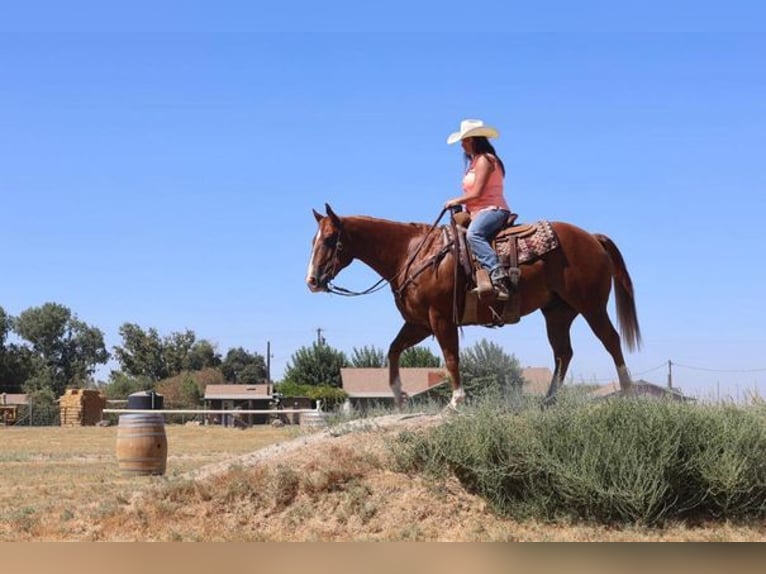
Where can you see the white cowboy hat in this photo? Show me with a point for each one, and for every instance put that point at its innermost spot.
(470, 129)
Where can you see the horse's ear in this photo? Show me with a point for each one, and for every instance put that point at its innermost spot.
(318, 216)
(331, 214)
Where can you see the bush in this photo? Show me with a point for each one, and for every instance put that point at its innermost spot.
(639, 461)
(331, 397)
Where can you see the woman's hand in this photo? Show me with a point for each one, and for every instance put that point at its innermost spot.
(453, 202)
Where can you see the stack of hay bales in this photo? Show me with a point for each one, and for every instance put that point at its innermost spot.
(81, 407)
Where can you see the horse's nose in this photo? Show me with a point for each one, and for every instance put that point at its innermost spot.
(312, 282)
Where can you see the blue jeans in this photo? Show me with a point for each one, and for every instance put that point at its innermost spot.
(483, 228)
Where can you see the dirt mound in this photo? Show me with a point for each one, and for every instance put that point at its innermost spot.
(337, 485)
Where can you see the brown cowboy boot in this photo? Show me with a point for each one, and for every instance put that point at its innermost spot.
(501, 283)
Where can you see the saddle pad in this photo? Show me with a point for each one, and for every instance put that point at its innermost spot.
(532, 246)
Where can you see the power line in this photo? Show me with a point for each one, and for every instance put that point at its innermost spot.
(719, 370)
(660, 366)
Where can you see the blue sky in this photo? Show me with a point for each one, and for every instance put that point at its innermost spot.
(159, 163)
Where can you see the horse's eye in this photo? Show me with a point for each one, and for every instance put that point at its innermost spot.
(330, 242)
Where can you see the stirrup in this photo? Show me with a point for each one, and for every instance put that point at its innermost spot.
(501, 293)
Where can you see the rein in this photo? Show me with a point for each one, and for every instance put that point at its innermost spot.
(381, 282)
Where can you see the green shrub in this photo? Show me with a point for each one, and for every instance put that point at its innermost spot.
(640, 461)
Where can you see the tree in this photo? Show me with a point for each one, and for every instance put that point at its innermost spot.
(16, 361)
(368, 357)
(186, 390)
(330, 397)
(141, 353)
(5, 328)
(146, 354)
(242, 367)
(175, 351)
(419, 357)
(67, 350)
(485, 368)
(319, 364)
(202, 355)
(121, 385)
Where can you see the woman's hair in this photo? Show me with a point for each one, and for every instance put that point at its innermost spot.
(482, 146)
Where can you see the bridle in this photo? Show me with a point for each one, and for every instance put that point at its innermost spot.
(335, 268)
(378, 285)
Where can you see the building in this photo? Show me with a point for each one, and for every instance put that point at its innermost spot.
(369, 386)
(536, 380)
(9, 407)
(252, 397)
(238, 397)
(643, 389)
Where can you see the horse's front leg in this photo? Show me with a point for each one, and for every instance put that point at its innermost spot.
(409, 335)
(445, 331)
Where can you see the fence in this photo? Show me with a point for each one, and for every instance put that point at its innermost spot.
(228, 417)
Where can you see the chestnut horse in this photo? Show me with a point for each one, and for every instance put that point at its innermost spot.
(573, 279)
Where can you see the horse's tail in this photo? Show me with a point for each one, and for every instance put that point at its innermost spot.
(624, 297)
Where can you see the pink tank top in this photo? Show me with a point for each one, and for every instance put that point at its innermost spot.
(492, 194)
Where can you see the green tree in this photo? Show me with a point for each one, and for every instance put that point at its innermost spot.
(141, 353)
(121, 385)
(175, 351)
(242, 367)
(67, 350)
(9, 382)
(202, 355)
(330, 397)
(485, 368)
(419, 357)
(17, 362)
(252, 374)
(146, 354)
(5, 328)
(319, 364)
(368, 357)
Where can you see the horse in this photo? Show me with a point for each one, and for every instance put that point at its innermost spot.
(428, 286)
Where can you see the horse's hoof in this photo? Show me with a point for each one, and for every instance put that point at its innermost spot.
(548, 402)
(451, 409)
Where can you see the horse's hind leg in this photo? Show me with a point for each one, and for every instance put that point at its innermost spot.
(409, 335)
(603, 329)
(558, 321)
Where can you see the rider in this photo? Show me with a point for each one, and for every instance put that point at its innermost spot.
(483, 198)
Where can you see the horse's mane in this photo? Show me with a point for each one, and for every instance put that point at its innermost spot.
(386, 226)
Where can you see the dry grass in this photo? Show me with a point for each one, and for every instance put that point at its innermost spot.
(58, 483)
(64, 484)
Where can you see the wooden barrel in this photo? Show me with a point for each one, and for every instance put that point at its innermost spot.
(142, 447)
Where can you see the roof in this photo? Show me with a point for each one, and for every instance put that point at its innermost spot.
(641, 387)
(536, 380)
(13, 399)
(373, 383)
(238, 392)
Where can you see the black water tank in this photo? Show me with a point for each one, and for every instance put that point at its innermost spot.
(146, 400)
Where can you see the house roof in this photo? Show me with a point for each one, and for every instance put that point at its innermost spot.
(373, 383)
(13, 399)
(642, 387)
(536, 380)
(238, 392)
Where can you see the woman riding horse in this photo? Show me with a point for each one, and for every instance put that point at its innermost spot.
(574, 279)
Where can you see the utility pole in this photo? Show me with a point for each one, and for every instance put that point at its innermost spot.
(320, 338)
(670, 374)
(268, 362)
